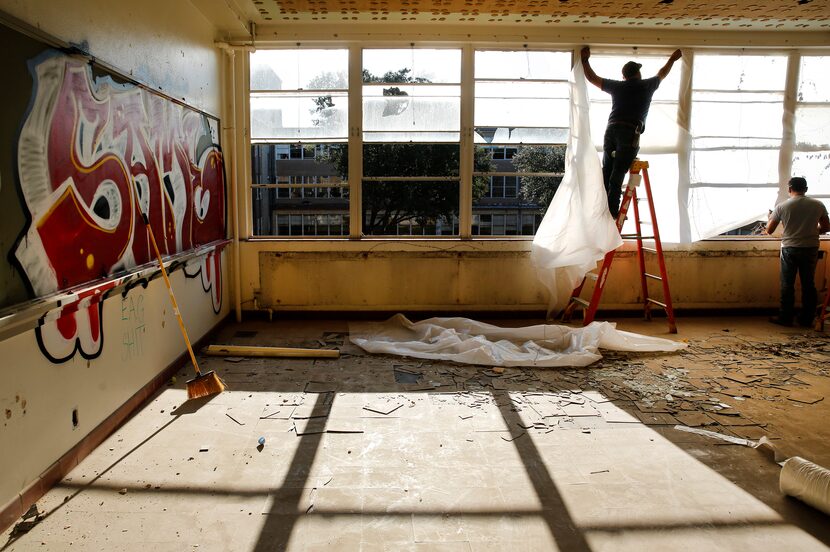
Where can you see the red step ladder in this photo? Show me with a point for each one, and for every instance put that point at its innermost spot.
(630, 199)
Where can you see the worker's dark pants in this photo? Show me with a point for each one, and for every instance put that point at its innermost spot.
(801, 260)
(620, 147)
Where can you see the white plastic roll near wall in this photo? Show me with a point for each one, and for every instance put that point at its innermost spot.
(808, 482)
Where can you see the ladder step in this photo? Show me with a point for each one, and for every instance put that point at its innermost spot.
(629, 236)
(652, 276)
(581, 301)
(650, 250)
(656, 302)
(648, 237)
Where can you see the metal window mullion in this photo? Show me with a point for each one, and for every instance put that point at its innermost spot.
(684, 145)
(739, 91)
(243, 144)
(518, 174)
(497, 80)
(298, 92)
(404, 84)
(411, 179)
(467, 151)
(355, 141)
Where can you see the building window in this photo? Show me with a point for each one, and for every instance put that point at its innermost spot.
(716, 165)
(411, 132)
(299, 134)
(811, 156)
(521, 123)
(736, 132)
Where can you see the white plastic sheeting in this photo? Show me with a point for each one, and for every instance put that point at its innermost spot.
(470, 342)
(577, 230)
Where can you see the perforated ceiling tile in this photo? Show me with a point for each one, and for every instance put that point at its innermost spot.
(807, 14)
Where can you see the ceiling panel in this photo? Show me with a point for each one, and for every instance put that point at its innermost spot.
(677, 14)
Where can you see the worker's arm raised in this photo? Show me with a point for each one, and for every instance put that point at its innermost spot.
(592, 77)
(664, 71)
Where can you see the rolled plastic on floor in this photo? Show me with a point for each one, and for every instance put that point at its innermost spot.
(471, 342)
(808, 482)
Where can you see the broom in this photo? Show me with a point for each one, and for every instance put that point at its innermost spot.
(202, 385)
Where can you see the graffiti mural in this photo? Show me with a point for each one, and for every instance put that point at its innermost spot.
(93, 155)
(209, 270)
(76, 327)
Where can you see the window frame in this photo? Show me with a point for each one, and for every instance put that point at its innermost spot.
(465, 222)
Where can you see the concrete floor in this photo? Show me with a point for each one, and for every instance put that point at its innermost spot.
(381, 453)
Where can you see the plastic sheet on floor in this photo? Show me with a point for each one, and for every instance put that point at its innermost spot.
(471, 342)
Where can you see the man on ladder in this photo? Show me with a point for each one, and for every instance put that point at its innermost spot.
(630, 101)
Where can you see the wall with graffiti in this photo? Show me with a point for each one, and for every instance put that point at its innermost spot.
(93, 157)
(85, 154)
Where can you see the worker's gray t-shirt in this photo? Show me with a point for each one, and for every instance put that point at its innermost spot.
(800, 216)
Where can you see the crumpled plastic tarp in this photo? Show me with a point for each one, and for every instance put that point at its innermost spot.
(471, 342)
(577, 229)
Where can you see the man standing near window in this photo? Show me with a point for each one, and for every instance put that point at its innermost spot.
(804, 219)
(630, 100)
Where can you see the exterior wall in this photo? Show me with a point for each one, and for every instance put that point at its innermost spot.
(88, 341)
(493, 276)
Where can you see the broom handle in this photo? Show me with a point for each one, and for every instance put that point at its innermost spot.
(172, 297)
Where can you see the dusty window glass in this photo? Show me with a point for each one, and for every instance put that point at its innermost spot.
(299, 118)
(299, 70)
(742, 73)
(661, 125)
(299, 95)
(521, 124)
(299, 190)
(410, 189)
(811, 158)
(736, 122)
(736, 133)
(521, 97)
(411, 95)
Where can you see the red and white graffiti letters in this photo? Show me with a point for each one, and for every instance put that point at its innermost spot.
(93, 155)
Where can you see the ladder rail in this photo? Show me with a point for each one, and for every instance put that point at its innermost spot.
(658, 245)
(641, 258)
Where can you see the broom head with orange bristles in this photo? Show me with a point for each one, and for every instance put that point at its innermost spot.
(205, 384)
